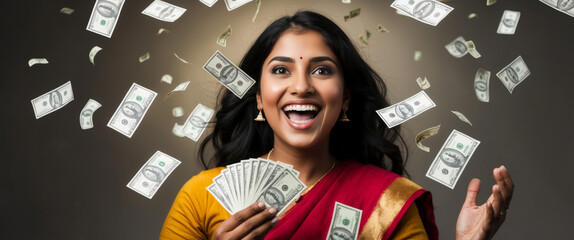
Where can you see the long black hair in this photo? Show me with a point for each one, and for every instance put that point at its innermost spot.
(366, 138)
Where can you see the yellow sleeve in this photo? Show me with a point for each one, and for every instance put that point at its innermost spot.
(195, 214)
(410, 226)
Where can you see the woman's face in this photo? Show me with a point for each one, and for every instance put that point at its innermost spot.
(302, 91)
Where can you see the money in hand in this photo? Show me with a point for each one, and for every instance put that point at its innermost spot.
(152, 174)
(132, 110)
(345, 222)
(514, 73)
(164, 11)
(508, 22)
(232, 77)
(197, 121)
(105, 17)
(409, 108)
(566, 7)
(481, 82)
(86, 121)
(53, 100)
(457, 48)
(452, 158)
(243, 183)
(427, 11)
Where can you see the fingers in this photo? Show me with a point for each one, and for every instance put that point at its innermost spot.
(505, 185)
(242, 216)
(472, 193)
(498, 204)
(258, 225)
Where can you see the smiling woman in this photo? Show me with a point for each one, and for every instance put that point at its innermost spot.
(319, 99)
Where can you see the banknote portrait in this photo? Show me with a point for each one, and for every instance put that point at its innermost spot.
(452, 157)
(153, 173)
(512, 75)
(55, 99)
(404, 110)
(107, 9)
(132, 110)
(565, 5)
(423, 9)
(228, 74)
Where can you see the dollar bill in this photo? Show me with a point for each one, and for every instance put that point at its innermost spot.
(95, 50)
(481, 84)
(514, 73)
(53, 100)
(144, 57)
(424, 134)
(66, 10)
(197, 121)
(490, 2)
(233, 4)
(452, 158)
(457, 48)
(218, 194)
(132, 110)
(283, 191)
(352, 14)
(34, 61)
(162, 30)
(471, 15)
(222, 184)
(258, 2)
(409, 108)
(181, 59)
(180, 88)
(208, 3)
(345, 222)
(105, 16)
(153, 174)
(382, 29)
(346, 1)
(564, 6)
(177, 111)
(86, 120)
(423, 83)
(461, 117)
(365, 38)
(508, 22)
(472, 49)
(164, 11)
(177, 130)
(222, 39)
(232, 77)
(166, 78)
(418, 55)
(427, 11)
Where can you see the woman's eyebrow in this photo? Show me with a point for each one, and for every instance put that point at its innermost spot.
(322, 58)
(281, 59)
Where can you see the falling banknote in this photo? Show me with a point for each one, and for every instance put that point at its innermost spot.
(452, 158)
(564, 6)
(427, 11)
(472, 49)
(424, 134)
(222, 39)
(457, 48)
(232, 77)
(53, 100)
(423, 83)
(508, 22)
(409, 108)
(152, 174)
(233, 4)
(514, 73)
(481, 84)
(34, 61)
(345, 222)
(105, 17)
(197, 121)
(164, 11)
(93, 53)
(86, 121)
(132, 110)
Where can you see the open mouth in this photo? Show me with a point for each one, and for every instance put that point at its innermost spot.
(301, 113)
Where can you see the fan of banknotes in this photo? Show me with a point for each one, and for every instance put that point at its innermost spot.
(244, 183)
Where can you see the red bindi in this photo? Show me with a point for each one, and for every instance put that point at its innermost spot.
(300, 57)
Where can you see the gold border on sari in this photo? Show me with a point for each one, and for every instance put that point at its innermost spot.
(388, 207)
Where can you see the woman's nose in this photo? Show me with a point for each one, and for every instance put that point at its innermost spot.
(301, 84)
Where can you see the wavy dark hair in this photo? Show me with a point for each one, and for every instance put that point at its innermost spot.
(366, 138)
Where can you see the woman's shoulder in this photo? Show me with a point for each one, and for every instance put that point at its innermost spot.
(202, 179)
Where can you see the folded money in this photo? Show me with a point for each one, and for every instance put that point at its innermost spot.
(243, 183)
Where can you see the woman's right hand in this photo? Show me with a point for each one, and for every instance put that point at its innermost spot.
(252, 222)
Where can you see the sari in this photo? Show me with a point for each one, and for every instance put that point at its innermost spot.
(383, 197)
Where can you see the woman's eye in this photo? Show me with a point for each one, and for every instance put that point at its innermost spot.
(279, 70)
(322, 71)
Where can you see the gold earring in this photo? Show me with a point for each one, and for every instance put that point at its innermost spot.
(259, 117)
(344, 118)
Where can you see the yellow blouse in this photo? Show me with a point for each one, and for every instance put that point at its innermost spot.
(195, 214)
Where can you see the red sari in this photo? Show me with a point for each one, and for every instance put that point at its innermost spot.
(383, 196)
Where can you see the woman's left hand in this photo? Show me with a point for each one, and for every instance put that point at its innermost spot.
(482, 222)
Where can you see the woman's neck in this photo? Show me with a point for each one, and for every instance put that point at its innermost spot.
(312, 163)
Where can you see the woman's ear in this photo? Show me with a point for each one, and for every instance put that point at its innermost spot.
(259, 102)
(346, 100)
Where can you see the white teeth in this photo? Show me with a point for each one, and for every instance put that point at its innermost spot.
(300, 108)
(302, 121)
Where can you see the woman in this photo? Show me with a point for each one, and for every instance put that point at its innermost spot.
(319, 99)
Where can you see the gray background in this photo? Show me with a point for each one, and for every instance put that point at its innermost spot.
(62, 182)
